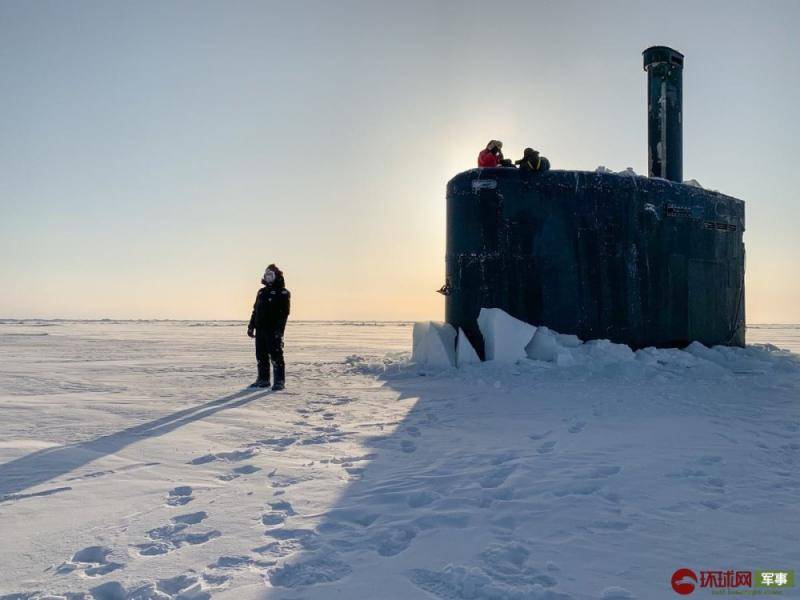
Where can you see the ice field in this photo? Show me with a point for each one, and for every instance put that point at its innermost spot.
(135, 464)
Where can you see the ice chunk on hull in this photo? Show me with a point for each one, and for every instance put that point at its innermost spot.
(504, 337)
(434, 344)
(547, 345)
(465, 353)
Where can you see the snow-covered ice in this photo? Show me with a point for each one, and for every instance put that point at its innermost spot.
(629, 172)
(134, 465)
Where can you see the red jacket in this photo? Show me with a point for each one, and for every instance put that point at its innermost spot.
(487, 158)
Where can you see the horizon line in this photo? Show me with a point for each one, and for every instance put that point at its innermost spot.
(7, 320)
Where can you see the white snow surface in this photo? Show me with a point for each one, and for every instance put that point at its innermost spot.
(133, 464)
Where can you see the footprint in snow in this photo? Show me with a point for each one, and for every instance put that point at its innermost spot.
(238, 562)
(340, 401)
(715, 485)
(170, 537)
(546, 448)
(421, 498)
(216, 579)
(238, 472)
(392, 541)
(504, 457)
(280, 548)
(93, 561)
(283, 481)
(349, 516)
(577, 427)
(190, 518)
(111, 590)
(329, 437)
(496, 477)
(234, 456)
(355, 473)
(408, 446)
(540, 436)
(183, 587)
(413, 431)
(521, 581)
(284, 541)
(508, 561)
(347, 461)
(180, 495)
(279, 510)
(279, 444)
(309, 570)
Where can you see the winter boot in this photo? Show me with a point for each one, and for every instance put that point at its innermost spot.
(280, 377)
(263, 376)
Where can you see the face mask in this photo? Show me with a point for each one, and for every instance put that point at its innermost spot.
(269, 276)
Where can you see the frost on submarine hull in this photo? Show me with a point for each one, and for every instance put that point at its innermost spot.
(643, 261)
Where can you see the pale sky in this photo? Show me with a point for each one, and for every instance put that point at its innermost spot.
(156, 156)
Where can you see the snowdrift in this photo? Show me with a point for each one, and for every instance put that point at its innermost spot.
(509, 341)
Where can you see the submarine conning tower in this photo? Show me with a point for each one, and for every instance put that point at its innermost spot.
(644, 261)
(664, 68)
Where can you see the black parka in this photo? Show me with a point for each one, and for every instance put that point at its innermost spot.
(533, 163)
(271, 308)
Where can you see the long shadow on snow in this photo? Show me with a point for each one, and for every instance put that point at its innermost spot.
(44, 465)
(407, 497)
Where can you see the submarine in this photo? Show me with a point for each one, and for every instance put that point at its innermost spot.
(642, 261)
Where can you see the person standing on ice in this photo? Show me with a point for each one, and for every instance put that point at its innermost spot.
(267, 324)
